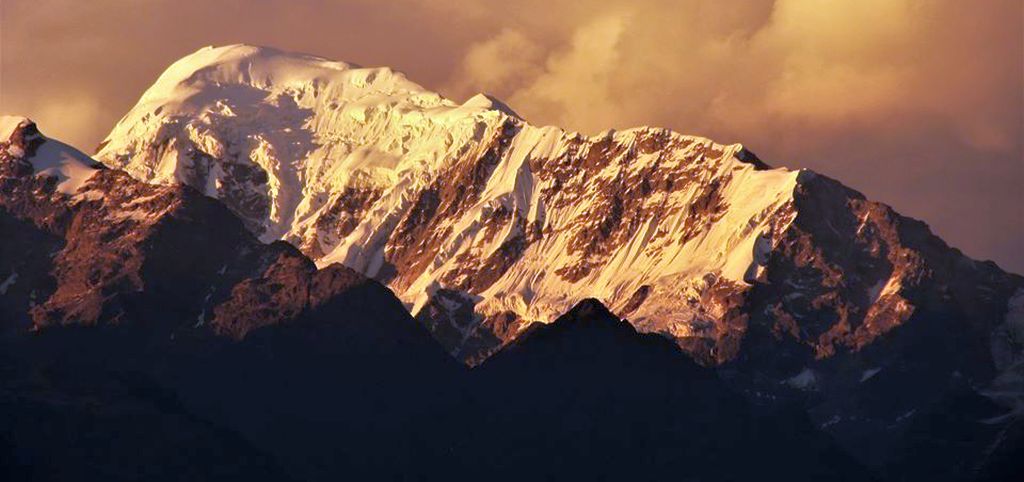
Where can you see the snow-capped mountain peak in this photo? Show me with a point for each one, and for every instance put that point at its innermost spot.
(70, 167)
(482, 223)
(274, 132)
(267, 68)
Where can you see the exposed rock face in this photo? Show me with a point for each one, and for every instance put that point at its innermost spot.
(869, 319)
(165, 258)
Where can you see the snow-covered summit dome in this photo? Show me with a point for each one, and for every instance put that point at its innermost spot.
(363, 167)
(267, 68)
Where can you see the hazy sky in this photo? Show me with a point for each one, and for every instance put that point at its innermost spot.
(917, 103)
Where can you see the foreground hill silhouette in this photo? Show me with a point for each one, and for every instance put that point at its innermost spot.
(607, 402)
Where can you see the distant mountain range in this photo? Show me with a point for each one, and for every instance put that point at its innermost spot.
(319, 270)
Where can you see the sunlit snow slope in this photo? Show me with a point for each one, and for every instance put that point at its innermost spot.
(54, 159)
(482, 223)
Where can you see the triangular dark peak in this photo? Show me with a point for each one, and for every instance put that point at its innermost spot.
(588, 309)
(608, 399)
(590, 328)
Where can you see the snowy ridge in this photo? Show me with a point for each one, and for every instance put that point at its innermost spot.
(224, 119)
(483, 223)
(347, 153)
(49, 158)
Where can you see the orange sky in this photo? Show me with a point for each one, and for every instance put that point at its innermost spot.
(917, 103)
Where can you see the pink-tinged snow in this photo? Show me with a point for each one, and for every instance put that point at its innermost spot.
(71, 167)
(51, 158)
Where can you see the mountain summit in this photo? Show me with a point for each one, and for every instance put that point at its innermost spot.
(483, 223)
(479, 221)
